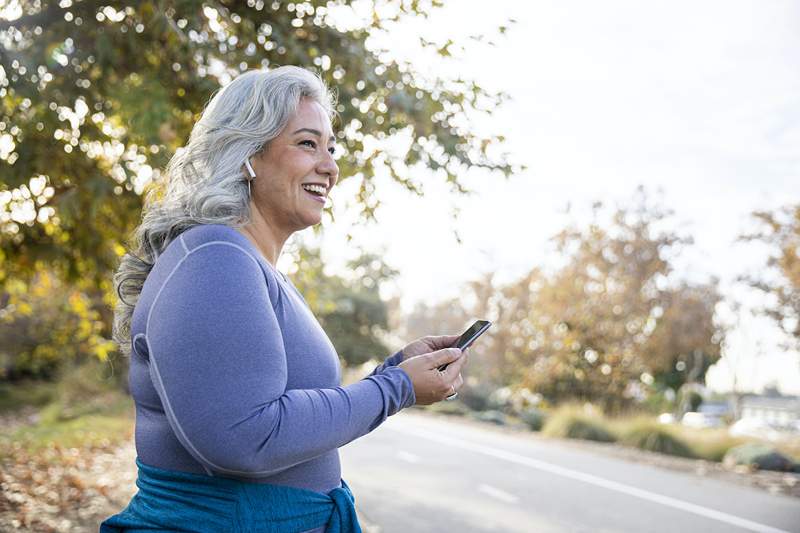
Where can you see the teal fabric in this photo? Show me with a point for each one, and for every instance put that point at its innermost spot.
(180, 501)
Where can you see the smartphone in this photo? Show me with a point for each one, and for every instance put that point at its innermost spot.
(469, 336)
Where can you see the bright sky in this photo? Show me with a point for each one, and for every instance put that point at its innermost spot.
(698, 99)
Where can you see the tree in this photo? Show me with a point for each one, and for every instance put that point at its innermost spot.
(686, 339)
(780, 231)
(350, 310)
(96, 96)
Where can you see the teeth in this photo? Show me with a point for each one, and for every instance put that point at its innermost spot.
(319, 189)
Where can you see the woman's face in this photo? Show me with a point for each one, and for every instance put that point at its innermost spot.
(295, 172)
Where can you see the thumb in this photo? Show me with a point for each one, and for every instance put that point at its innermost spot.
(443, 357)
(437, 342)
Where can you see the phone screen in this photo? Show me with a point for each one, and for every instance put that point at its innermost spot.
(469, 336)
(472, 333)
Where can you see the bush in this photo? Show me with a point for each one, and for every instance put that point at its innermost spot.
(46, 323)
(477, 397)
(655, 437)
(495, 417)
(533, 418)
(571, 423)
(758, 456)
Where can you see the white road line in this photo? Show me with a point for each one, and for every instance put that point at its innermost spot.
(501, 495)
(592, 480)
(408, 457)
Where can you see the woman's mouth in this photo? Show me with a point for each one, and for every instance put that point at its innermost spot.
(317, 192)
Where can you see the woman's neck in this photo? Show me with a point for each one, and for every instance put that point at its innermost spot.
(266, 237)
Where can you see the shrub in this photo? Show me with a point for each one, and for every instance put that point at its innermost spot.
(654, 437)
(495, 417)
(758, 456)
(45, 323)
(477, 397)
(571, 423)
(533, 418)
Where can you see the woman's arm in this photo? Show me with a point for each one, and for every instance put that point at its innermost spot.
(218, 363)
(392, 360)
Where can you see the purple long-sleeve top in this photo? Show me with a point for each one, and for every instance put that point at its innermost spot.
(233, 376)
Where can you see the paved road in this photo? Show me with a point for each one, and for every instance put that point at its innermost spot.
(420, 474)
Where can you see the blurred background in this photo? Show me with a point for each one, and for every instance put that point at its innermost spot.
(615, 185)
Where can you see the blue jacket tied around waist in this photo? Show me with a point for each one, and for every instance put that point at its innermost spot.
(181, 501)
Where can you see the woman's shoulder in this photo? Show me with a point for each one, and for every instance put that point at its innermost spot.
(201, 234)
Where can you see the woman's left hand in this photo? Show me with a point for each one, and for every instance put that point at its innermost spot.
(428, 344)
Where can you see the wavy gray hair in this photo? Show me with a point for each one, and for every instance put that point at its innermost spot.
(204, 181)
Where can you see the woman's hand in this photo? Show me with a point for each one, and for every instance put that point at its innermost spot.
(431, 385)
(428, 344)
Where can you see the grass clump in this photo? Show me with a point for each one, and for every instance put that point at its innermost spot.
(708, 444)
(654, 437)
(578, 423)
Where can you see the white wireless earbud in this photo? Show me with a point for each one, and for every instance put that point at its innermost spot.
(250, 169)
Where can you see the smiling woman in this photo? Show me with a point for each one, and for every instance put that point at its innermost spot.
(239, 408)
(299, 170)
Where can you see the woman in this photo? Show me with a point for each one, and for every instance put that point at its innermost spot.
(239, 412)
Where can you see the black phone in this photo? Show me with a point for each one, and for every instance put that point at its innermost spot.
(469, 336)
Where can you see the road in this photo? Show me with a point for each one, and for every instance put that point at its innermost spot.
(417, 473)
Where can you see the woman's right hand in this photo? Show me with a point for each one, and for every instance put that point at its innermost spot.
(431, 385)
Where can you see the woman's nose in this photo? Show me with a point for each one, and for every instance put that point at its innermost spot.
(327, 166)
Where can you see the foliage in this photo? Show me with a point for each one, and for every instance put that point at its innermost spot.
(780, 231)
(576, 423)
(498, 418)
(96, 97)
(654, 437)
(44, 323)
(476, 394)
(24, 394)
(610, 324)
(758, 456)
(533, 418)
(605, 324)
(350, 310)
(686, 339)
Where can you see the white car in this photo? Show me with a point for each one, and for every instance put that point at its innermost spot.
(694, 419)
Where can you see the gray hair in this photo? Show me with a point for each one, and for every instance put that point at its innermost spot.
(204, 181)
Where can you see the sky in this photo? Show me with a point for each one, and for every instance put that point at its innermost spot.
(697, 101)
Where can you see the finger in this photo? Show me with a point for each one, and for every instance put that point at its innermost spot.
(437, 342)
(459, 382)
(454, 368)
(443, 357)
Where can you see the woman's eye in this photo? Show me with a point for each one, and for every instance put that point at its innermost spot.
(332, 150)
(310, 143)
